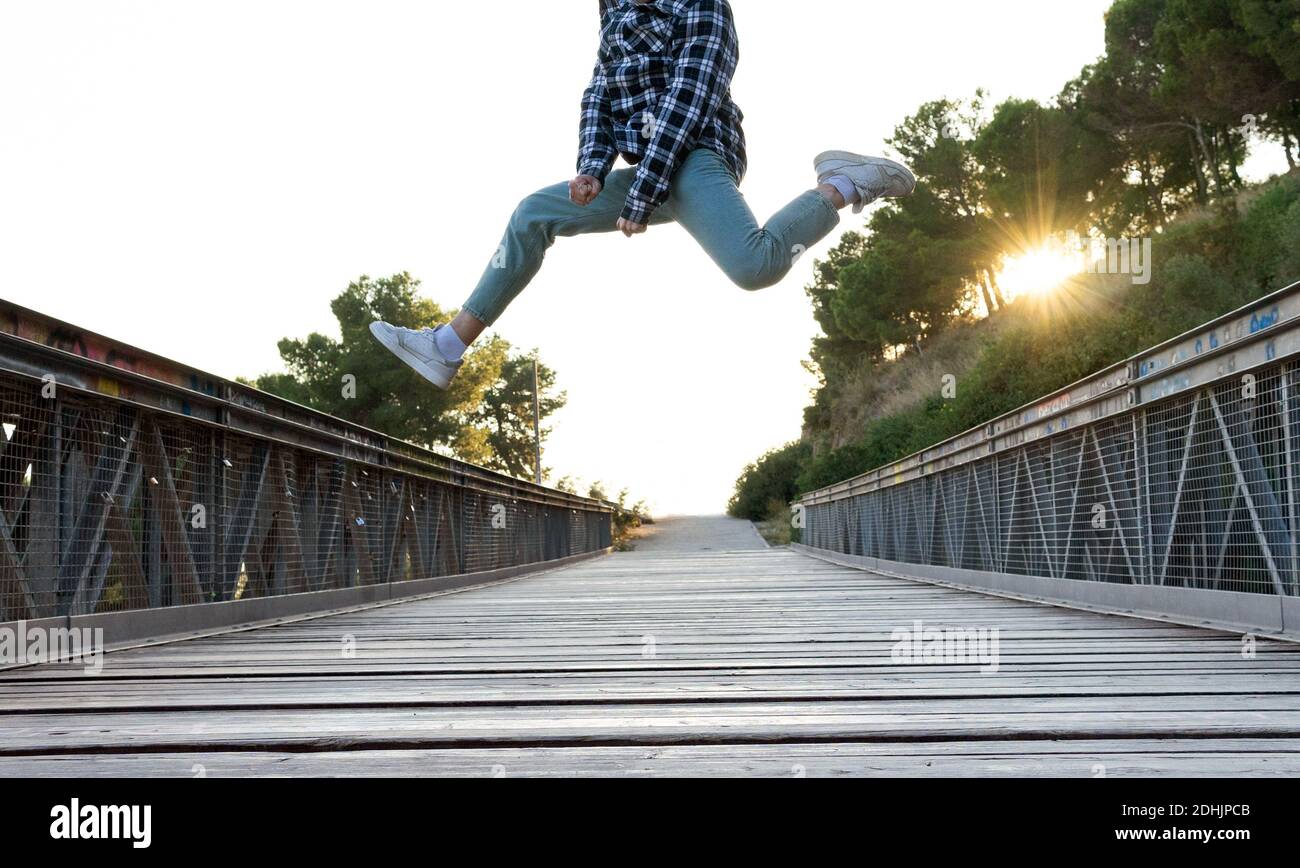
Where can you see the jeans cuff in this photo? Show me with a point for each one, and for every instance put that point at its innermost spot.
(477, 314)
(829, 206)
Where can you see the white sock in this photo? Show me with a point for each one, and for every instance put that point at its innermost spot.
(846, 187)
(449, 344)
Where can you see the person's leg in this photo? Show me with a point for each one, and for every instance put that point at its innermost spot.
(707, 202)
(540, 219)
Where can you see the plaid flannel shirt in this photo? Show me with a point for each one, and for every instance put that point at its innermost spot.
(661, 88)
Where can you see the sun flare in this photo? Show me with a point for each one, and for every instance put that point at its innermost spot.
(1039, 271)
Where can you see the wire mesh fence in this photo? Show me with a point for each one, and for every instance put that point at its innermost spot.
(107, 505)
(1174, 475)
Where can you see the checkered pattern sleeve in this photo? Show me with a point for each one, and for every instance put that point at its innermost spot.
(706, 56)
(596, 150)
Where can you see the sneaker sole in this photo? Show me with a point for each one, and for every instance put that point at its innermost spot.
(862, 159)
(439, 378)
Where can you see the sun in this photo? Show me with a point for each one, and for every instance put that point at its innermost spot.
(1039, 271)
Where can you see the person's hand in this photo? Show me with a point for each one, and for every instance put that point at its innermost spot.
(628, 228)
(584, 189)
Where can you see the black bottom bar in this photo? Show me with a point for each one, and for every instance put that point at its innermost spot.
(990, 817)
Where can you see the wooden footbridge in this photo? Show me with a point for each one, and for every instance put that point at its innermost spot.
(1103, 584)
(706, 653)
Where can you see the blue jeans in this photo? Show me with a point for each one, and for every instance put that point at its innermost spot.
(705, 200)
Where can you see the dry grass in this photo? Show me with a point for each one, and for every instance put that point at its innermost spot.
(898, 386)
(778, 527)
(776, 531)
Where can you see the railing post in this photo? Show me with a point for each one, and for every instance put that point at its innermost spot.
(219, 515)
(1288, 433)
(1142, 472)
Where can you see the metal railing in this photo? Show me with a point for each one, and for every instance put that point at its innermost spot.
(129, 482)
(1176, 469)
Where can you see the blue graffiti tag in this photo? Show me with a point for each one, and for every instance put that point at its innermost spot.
(1260, 322)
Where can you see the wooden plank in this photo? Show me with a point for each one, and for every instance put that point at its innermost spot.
(1033, 719)
(429, 691)
(1079, 759)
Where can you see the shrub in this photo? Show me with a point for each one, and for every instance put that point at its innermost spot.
(768, 480)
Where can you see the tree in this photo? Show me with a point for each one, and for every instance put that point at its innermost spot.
(1264, 41)
(1274, 26)
(924, 261)
(1214, 69)
(906, 285)
(1175, 89)
(1121, 96)
(837, 351)
(935, 142)
(480, 418)
(948, 222)
(924, 258)
(506, 415)
(1043, 171)
(1157, 126)
(769, 484)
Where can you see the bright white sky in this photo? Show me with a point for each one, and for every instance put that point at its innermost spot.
(201, 178)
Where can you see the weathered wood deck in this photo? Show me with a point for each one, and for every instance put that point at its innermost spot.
(673, 660)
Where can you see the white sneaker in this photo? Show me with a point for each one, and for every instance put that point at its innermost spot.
(419, 350)
(875, 177)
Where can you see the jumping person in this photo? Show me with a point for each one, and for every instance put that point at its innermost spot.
(661, 98)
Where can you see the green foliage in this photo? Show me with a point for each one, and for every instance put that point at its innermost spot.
(884, 440)
(628, 518)
(1152, 130)
(778, 528)
(1041, 169)
(1145, 142)
(1269, 237)
(769, 480)
(506, 414)
(1204, 269)
(486, 416)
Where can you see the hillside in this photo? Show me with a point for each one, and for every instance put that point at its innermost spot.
(973, 295)
(1206, 263)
